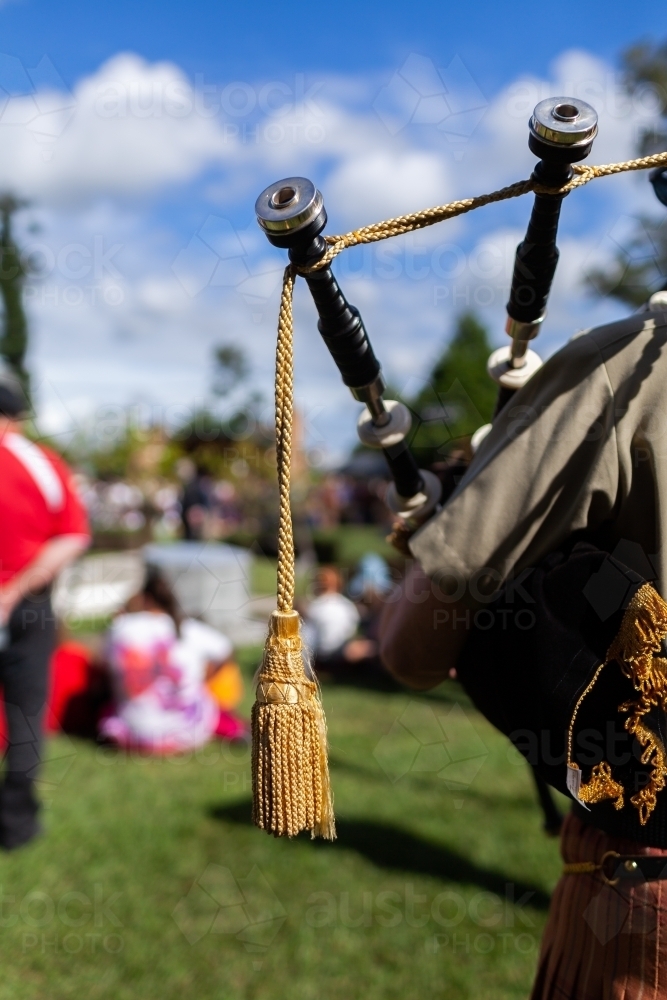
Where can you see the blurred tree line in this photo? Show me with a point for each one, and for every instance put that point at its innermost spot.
(640, 268)
(231, 442)
(14, 331)
(458, 395)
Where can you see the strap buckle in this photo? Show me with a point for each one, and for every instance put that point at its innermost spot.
(603, 873)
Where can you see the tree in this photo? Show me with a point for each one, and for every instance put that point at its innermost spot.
(640, 268)
(645, 69)
(230, 368)
(459, 396)
(14, 336)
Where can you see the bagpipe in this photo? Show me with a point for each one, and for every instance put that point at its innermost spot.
(291, 787)
(293, 216)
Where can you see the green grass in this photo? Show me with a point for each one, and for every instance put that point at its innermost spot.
(263, 575)
(352, 541)
(87, 911)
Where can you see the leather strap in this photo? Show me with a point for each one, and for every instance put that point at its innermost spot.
(616, 867)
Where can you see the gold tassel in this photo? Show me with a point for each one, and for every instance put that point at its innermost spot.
(291, 790)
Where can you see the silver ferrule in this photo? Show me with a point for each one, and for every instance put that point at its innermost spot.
(521, 334)
(288, 205)
(518, 353)
(523, 331)
(564, 121)
(371, 395)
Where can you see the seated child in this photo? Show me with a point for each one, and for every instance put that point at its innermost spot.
(160, 663)
(330, 621)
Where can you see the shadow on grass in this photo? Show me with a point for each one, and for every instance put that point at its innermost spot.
(389, 846)
(491, 799)
(366, 680)
(449, 692)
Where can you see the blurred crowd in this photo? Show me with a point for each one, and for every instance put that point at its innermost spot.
(199, 506)
(341, 629)
(158, 674)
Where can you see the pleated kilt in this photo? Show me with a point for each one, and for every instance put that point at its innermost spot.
(603, 942)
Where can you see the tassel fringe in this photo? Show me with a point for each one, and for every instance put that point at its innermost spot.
(291, 786)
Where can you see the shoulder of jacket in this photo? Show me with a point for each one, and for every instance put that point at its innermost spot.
(630, 328)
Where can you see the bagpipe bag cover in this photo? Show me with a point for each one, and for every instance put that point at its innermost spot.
(526, 673)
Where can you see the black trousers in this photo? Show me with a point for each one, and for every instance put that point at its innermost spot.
(24, 662)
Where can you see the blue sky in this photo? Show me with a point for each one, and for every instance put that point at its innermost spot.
(142, 133)
(249, 40)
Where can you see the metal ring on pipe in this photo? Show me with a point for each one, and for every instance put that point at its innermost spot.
(389, 434)
(500, 370)
(415, 509)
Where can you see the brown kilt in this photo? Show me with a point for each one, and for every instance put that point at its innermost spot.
(603, 942)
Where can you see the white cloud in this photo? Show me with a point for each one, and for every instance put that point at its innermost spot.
(135, 332)
(379, 184)
(125, 130)
(499, 148)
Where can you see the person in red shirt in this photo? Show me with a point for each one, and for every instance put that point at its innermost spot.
(43, 527)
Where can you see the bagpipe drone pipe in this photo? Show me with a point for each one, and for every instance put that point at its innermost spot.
(292, 214)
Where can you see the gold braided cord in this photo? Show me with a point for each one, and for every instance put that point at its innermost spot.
(284, 418)
(417, 220)
(290, 772)
(430, 216)
(570, 732)
(580, 868)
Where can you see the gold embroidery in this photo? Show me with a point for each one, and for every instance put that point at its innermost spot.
(643, 628)
(601, 786)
